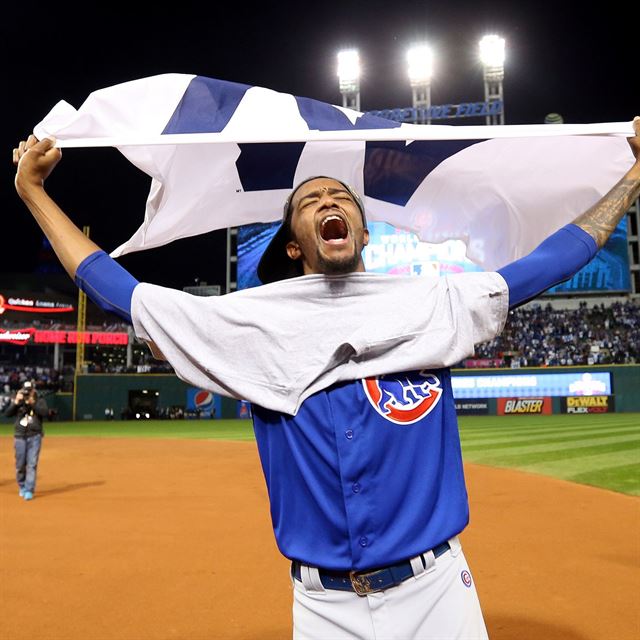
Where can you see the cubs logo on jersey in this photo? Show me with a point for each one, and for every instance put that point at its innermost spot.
(403, 398)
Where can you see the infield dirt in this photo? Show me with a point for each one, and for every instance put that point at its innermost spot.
(168, 539)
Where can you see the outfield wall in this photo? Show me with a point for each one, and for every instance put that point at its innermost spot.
(98, 391)
(625, 385)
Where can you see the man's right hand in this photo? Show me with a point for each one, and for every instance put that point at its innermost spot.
(35, 161)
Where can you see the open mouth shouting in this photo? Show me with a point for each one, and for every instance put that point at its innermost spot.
(327, 229)
(334, 229)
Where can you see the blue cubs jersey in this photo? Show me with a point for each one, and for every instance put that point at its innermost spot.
(368, 473)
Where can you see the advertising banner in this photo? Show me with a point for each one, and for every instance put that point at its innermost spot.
(532, 385)
(33, 305)
(243, 409)
(588, 404)
(30, 335)
(203, 404)
(473, 407)
(519, 406)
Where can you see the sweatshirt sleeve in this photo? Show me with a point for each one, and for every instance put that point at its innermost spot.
(11, 409)
(555, 260)
(107, 284)
(41, 408)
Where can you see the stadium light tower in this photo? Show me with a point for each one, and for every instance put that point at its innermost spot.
(349, 78)
(492, 58)
(420, 59)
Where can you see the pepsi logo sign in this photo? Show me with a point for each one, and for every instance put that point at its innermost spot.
(203, 400)
(404, 398)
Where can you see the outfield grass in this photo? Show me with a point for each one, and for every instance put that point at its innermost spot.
(599, 450)
(193, 429)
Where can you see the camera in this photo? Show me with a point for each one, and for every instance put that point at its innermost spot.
(28, 391)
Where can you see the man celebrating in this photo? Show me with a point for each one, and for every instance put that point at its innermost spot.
(348, 374)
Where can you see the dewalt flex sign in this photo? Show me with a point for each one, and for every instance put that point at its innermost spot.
(588, 404)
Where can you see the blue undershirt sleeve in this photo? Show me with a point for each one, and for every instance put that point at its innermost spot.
(107, 284)
(556, 259)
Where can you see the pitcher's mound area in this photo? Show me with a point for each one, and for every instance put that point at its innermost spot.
(160, 539)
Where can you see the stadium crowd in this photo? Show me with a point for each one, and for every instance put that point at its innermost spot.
(535, 335)
(51, 324)
(13, 377)
(541, 336)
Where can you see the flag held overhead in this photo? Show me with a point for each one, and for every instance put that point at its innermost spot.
(223, 154)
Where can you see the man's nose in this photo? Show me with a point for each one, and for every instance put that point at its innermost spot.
(326, 200)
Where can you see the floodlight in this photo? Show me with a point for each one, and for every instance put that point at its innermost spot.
(420, 59)
(349, 78)
(348, 67)
(492, 51)
(492, 57)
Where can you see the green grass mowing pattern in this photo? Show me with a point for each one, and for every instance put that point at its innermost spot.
(193, 429)
(536, 440)
(600, 450)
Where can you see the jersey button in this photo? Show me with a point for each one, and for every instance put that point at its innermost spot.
(355, 487)
(363, 541)
(349, 434)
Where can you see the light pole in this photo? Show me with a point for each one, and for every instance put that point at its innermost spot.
(349, 78)
(492, 58)
(420, 59)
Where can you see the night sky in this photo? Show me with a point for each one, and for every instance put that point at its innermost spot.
(561, 57)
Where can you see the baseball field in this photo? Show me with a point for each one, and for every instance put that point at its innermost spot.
(159, 530)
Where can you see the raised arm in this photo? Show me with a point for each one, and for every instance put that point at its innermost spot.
(600, 220)
(570, 248)
(101, 278)
(35, 161)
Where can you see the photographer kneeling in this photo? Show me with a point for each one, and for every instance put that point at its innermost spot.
(30, 411)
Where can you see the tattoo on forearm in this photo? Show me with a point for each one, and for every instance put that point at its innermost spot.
(602, 218)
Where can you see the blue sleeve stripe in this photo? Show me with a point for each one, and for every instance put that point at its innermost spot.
(587, 239)
(107, 284)
(555, 260)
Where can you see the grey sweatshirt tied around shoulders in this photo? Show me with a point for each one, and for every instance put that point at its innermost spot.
(277, 344)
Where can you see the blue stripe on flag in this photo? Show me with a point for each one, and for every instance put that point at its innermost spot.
(325, 117)
(268, 165)
(206, 106)
(393, 170)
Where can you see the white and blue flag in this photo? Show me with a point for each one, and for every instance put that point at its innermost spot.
(223, 154)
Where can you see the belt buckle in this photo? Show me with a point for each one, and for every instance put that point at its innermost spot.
(361, 583)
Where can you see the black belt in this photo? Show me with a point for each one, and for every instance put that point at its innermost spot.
(363, 582)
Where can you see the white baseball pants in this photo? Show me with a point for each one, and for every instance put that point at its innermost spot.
(439, 603)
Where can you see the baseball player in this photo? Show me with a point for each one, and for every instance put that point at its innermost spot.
(348, 374)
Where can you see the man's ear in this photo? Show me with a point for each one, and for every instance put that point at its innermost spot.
(293, 250)
(365, 237)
